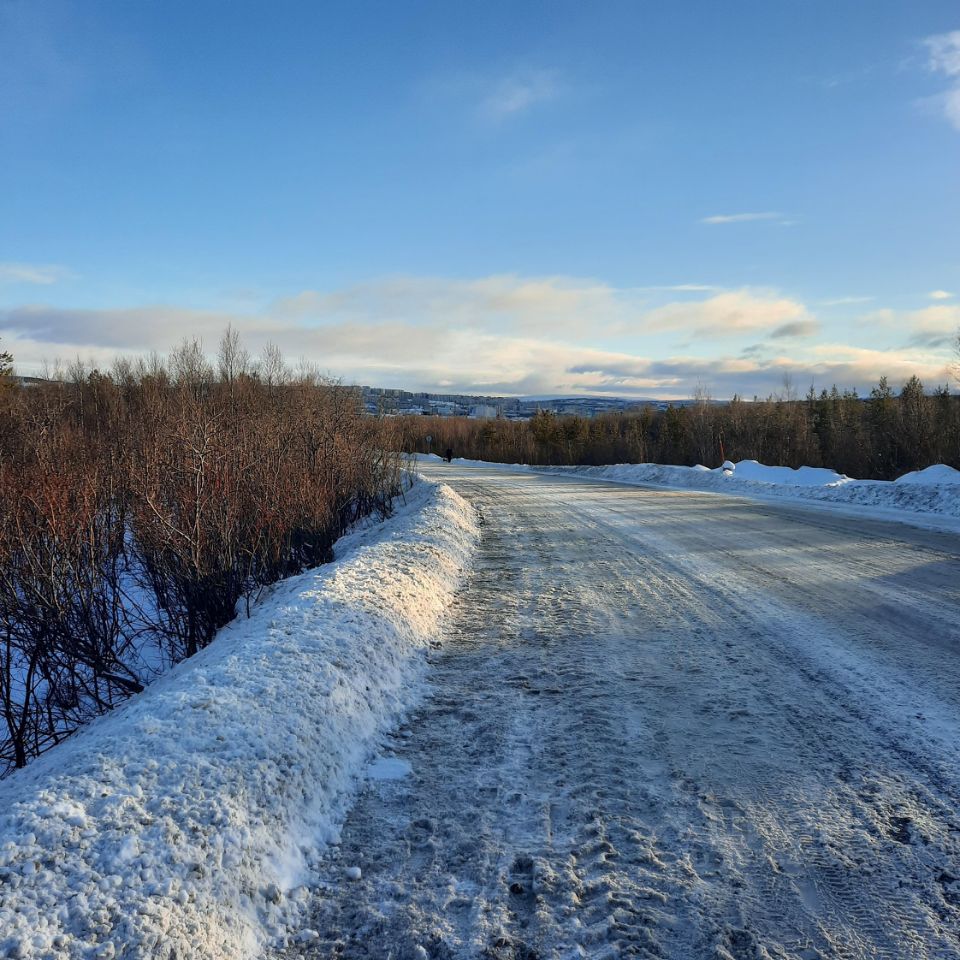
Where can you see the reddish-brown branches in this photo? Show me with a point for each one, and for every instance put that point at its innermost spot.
(141, 509)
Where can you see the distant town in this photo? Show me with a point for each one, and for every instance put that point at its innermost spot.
(385, 401)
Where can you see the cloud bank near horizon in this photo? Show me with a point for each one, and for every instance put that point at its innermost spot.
(508, 334)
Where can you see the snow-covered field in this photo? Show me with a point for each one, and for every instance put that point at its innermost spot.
(930, 496)
(185, 823)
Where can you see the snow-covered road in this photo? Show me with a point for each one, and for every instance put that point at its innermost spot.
(674, 725)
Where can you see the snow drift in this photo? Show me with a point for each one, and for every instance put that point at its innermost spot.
(933, 491)
(937, 474)
(181, 824)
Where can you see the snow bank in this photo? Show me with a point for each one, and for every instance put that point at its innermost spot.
(937, 474)
(934, 491)
(182, 823)
(788, 476)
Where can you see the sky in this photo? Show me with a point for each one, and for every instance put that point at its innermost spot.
(534, 198)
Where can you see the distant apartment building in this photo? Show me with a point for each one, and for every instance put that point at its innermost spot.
(483, 411)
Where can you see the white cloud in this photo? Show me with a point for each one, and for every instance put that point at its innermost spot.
(519, 92)
(32, 273)
(934, 326)
(511, 334)
(683, 287)
(944, 58)
(742, 217)
(944, 52)
(951, 106)
(569, 306)
(838, 364)
(940, 295)
(846, 364)
(841, 301)
(727, 314)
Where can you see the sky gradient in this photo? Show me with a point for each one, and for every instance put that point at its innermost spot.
(519, 198)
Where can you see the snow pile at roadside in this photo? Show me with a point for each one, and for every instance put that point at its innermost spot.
(935, 490)
(183, 823)
(937, 474)
(788, 476)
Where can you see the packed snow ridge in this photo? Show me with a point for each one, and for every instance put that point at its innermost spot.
(934, 491)
(185, 823)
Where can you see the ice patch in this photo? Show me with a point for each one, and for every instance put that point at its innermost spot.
(389, 768)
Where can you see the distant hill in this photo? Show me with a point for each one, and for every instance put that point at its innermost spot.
(393, 401)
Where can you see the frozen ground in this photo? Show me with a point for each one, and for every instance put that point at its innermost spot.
(673, 725)
(181, 824)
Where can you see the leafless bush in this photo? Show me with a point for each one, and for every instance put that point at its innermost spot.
(140, 510)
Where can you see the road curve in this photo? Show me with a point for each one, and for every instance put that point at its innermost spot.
(670, 725)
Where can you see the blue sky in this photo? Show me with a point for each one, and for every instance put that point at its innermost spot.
(624, 198)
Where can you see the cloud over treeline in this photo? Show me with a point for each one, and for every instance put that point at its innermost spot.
(512, 334)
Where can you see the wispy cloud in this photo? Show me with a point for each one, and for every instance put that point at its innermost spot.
(682, 288)
(940, 295)
(743, 217)
(944, 58)
(32, 273)
(842, 301)
(944, 53)
(519, 92)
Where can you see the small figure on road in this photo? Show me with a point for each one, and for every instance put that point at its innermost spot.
(449, 455)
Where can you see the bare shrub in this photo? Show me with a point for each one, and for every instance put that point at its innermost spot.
(141, 510)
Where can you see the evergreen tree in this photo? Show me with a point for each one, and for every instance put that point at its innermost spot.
(6, 363)
(883, 427)
(915, 430)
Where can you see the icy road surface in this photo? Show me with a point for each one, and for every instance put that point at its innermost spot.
(669, 725)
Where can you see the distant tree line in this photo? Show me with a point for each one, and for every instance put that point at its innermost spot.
(880, 436)
(142, 508)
